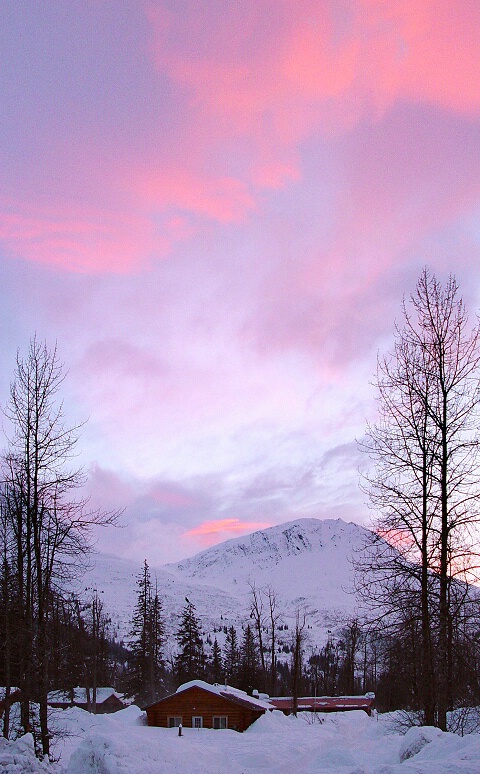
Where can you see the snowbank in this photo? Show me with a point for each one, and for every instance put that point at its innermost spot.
(19, 757)
(336, 743)
(341, 743)
(415, 740)
(271, 722)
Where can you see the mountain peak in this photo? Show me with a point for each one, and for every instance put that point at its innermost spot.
(307, 562)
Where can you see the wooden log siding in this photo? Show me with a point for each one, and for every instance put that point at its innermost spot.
(194, 702)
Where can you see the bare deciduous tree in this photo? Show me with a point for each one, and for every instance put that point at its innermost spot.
(298, 642)
(50, 526)
(266, 615)
(425, 483)
(257, 615)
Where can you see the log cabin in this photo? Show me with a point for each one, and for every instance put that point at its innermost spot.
(198, 704)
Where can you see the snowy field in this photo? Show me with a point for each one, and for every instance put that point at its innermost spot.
(349, 743)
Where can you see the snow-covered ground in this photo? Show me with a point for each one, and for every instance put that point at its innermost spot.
(348, 743)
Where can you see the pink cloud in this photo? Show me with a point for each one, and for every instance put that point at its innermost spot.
(322, 67)
(211, 532)
(81, 240)
(401, 196)
(169, 497)
(224, 199)
(249, 86)
(161, 213)
(427, 50)
(107, 490)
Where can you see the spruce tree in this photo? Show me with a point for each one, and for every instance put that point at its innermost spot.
(147, 632)
(215, 667)
(231, 657)
(249, 669)
(190, 661)
(155, 639)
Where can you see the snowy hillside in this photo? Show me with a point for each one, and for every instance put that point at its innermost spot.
(307, 562)
(115, 580)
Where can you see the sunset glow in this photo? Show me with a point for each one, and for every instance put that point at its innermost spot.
(210, 532)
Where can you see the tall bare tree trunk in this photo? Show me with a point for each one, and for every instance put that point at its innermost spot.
(426, 482)
(298, 641)
(49, 526)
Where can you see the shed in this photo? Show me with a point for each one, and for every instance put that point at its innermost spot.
(325, 703)
(108, 700)
(198, 704)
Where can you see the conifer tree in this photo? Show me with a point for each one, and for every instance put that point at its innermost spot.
(190, 661)
(215, 668)
(156, 635)
(147, 637)
(231, 657)
(250, 668)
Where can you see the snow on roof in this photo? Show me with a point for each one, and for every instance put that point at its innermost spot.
(80, 696)
(324, 702)
(228, 692)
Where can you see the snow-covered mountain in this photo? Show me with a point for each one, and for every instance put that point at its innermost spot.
(308, 563)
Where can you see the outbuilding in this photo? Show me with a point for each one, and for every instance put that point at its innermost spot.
(107, 699)
(325, 703)
(198, 704)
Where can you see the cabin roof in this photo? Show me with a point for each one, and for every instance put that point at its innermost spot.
(235, 695)
(285, 703)
(80, 696)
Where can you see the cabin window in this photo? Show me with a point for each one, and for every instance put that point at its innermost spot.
(197, 721)
(174, 722)
(220, 721)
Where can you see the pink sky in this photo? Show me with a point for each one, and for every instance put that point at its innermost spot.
(215, 210)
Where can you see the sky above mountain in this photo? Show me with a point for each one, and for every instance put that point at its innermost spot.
(215, 209)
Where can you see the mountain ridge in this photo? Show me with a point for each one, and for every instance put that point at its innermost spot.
(307, 562)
